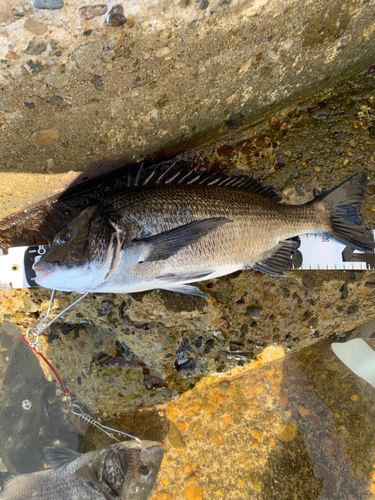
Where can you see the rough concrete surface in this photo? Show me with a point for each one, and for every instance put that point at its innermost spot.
(83, 85)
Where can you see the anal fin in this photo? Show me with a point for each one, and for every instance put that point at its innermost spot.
(187, 289)
(279, 260)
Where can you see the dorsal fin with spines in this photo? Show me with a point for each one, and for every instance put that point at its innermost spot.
(167, 174)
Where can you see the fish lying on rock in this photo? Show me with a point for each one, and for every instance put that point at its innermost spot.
(123, 471)
(174, 231)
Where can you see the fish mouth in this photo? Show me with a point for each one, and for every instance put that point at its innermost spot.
(43, 269)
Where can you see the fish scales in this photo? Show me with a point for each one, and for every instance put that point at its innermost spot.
(151, 210)
(167, 236)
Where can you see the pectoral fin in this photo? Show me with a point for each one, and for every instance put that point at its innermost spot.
(88, 477)
(57, 456)
(163, 245)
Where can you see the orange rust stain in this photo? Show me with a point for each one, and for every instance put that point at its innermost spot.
(288, 432)
(162, 495)
(303, 411)
(181, 426)
(227, 420)
(220, 398)
(165, 481)
(194, 466)
(255, 445)
(240, 483)
(271, 442)
(257, 435)
(372, 487)
(194, 493)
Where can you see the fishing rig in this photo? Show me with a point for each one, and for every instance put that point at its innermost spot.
(32, 339)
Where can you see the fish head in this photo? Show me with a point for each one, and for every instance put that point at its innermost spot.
(80, 255)
(130, 469)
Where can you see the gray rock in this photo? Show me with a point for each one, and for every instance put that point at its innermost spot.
(35, 48)
(56, 80)
(87, 55)
(35, 66)
(56, 99)
(255, 311)
(49, 4)
(97, 80)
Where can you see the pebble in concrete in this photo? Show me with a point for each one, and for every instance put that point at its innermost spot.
(22, 9)
(49, 4)
(87, 55)
(56, 80)
(91, 11)
(116, 16)
(46, 138)
(35, 48)
(35, 27)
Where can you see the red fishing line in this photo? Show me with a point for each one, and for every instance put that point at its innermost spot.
(64, 389)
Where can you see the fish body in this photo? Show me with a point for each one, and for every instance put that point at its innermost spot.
(169, 235)
(123, 471)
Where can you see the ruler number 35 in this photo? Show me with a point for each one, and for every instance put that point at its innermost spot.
(325, 239)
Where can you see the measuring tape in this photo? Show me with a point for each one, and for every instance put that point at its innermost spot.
(314, 252)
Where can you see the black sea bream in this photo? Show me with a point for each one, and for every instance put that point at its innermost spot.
(167, 235)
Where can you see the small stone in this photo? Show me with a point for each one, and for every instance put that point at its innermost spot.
(46, 138)
(97, 80)
(255, 312)
(203, 4)
(322, 117)
(198, 343)
(91, 11)
(225, 150)
(49, 4)
(56, 99)
(162, 52)
(278, 163)
(35, 26)
(56, 80)
(35, 48)
(87, 33)
(36, 67)
(308, 283)
(352, 310)
(22, 9)
(29, 105)
(152, 382)
(116, 16)
(130, 22)
(86, 56)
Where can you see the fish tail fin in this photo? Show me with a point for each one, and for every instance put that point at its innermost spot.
(342, 205)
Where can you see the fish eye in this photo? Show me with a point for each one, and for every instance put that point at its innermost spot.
(62, 238)
(144, 470)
